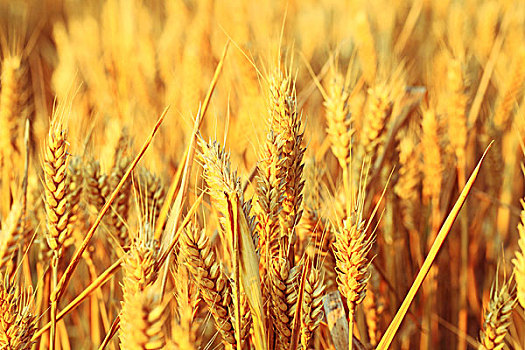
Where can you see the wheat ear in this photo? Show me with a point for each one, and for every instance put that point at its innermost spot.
(213, 284)
(142, 321)
(286, 123)
(497, 316)
(351, 249)
(519, 260)
(312, 307)
(17, 318)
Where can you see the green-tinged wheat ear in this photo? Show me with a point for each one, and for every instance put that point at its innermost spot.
(519, 260)
(142, 321)
(56, 185)
(11, 237)
(17, 318)
(497, 318)
(213, 284)
(312, 307)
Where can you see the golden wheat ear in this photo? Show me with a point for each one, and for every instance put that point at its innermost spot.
(497, 316)
(209, 276)
(18, 319)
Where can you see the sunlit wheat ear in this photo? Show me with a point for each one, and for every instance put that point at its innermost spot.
(312, 307)
(17, 317)
(270, 187)
(11, 237)
(339, 128)
(286, 123)
(55, 183)
(519, 260)
(213, 284)
(140, 262)
(142, 321)
(351, 248)
(497, 317)
(284, 285)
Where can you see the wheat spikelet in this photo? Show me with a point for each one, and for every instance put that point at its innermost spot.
(519, 260)
(56, 185)
(142, 320)
(338, 118)
(213, 284)
(497, 316)
(17, 321)
(283, 296)
(312, 307)
(11, 236)
(140, 262)
(120, 209)
(286, 124)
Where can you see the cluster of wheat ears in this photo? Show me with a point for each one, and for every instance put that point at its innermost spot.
(313, 174)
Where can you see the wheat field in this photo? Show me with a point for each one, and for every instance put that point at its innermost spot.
(200, 174)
